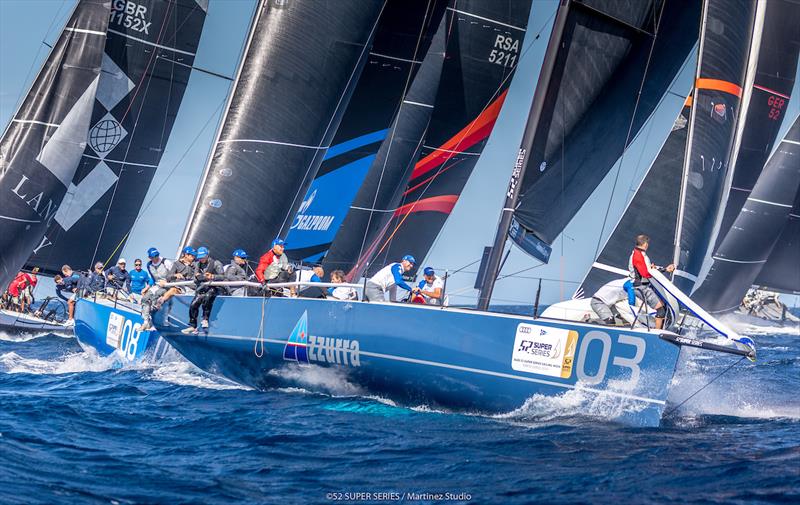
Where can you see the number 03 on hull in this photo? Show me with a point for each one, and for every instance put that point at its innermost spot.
(416, 355)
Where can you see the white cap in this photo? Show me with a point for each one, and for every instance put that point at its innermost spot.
(121, 260)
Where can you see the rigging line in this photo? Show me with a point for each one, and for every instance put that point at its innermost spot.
(672, 410)
(364, 53)
(630, 126)
(149, 74)
(456, 148)
(147, 68)
(391, 139)
(147, 205)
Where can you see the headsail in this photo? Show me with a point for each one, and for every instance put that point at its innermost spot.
(483, 45)
(42, 146)
(652, 211)
(780, 272)
(149, 53)
(382, 189)
(763, 223)
(611, 65)
(300, 68)
(725, 43)
(402, 39)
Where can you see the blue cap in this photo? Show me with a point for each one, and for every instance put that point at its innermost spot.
(278, 241)
(189, 250)
(240, 253)
(410, 259)
(202, 252)
(428, 271)
(153, 252)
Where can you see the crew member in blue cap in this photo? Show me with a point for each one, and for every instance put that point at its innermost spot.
(237, 271)
(274, 265)
(431, 287)
(182, 270)
(206, 269)
(387, 279)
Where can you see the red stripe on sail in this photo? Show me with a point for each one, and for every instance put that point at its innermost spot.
(474, 132)
(443, 204)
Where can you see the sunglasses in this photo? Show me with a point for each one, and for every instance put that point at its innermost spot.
(137, 264)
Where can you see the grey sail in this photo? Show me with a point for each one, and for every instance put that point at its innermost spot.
(725, 43)
(611, 65)
(42, 146)
(383, 186)
(781, 271)
(768, 101)
(653, 211)
(147, 62)
(763, 223)
(300, 67)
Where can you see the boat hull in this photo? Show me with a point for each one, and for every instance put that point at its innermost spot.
(115, 329)
(15, 323)
(458, 359)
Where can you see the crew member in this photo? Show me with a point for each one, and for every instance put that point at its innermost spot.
(162, 272)
(314, 275)
(387, 279)
(273, 266)
(96, 281)
(140, 279)
(68, 282)
(206, 269)
(604, 301)
(639, 266)
(342, 292)
(237, 271)
(431, 287)
(119, 279)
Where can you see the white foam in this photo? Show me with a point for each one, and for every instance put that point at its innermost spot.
(332, 381)
(582, 402)
(12, 362)
(183, 373)
(25, 337)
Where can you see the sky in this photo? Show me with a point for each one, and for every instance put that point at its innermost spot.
(26, 24)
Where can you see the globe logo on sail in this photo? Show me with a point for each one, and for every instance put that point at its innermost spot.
(105, 135)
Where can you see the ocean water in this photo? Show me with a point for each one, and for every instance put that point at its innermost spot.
(76, 428)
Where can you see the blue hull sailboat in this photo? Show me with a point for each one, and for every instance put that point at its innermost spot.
(422, 355)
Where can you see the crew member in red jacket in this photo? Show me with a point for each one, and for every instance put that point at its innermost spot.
(639, 266)
(274, 265)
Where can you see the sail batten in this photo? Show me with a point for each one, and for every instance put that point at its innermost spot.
(41, 148)
(298, 75)
(608, 78)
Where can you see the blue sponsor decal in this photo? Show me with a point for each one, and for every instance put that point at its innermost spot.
(529, 242)
(303, 348)
(329, 198)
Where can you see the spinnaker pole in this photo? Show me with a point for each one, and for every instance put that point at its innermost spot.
(537, 104)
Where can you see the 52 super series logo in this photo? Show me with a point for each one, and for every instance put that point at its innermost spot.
(304, 348)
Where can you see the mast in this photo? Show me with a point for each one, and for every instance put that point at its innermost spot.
(537, 104)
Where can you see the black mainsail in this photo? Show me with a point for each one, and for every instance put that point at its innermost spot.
(149, 53)
(607, 66)
(382, 189)
(725, 48)
(764, 223)
(402, 40)
(765, 101)
(481, 52)
(300, 67)
(42, 146)
(653, 211)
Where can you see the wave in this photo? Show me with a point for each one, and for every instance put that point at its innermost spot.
(12, 363)
(26, 337)
(182, 373)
